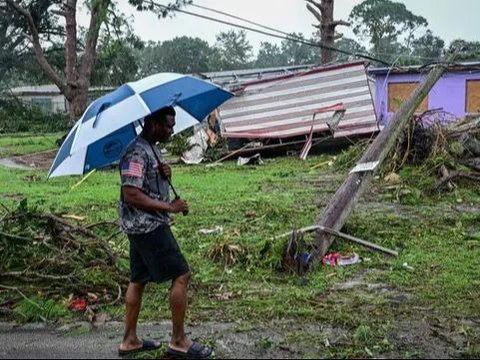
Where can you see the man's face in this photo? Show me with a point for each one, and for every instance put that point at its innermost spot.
(164, 130)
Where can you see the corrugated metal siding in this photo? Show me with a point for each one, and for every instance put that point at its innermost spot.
(283, 107)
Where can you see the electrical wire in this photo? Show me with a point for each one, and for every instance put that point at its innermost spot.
(289, 34)
(241, 19)
(290, 38)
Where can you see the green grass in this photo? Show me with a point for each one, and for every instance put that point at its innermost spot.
(38, 309)
(25, 143)
(253, 204)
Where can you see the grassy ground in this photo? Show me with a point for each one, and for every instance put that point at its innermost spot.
(25, 144)
(237, 274)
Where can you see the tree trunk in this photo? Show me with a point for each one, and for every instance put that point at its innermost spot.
(327, 26)
(77, 104)
(327, 31)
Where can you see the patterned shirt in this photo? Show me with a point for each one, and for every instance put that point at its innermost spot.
(139, 168)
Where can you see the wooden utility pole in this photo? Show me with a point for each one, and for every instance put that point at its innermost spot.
(344, 200)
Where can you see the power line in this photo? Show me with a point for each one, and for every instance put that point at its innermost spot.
(241, 19)
(289, 38)
(289, 34)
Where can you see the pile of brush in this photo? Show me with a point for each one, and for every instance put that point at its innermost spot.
(42, 253)
(448, 147)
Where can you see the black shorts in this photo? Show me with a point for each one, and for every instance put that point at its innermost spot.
(156, 257)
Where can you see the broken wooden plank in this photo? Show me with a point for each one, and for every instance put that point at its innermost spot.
(353, 239)
(358, 241)
(344, 200)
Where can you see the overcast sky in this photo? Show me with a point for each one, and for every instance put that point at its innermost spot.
(448, 19)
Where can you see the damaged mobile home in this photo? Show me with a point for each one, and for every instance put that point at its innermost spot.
(287, 107)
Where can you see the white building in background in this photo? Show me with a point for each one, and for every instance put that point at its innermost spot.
(49, 98)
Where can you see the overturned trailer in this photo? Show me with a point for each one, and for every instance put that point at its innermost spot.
(289, 109)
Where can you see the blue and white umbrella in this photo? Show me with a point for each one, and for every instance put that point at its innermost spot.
(112, 121)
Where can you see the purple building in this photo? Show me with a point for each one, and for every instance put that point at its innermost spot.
(457, 93)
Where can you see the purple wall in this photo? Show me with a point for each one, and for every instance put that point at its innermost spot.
(448, 93)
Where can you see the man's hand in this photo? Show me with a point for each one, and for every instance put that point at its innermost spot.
(179, 205)
(165, 171)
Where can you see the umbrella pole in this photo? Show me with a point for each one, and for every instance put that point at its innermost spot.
(83, 179)
(168, 179)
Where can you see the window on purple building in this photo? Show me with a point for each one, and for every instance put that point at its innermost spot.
(473, 96)
(399, 92)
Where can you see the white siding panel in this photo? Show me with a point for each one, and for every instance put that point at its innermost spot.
(284, 107)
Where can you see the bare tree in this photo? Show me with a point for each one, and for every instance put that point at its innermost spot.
(323, 11)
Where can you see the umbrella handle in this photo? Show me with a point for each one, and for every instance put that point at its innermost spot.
(168, 179)
(177, 197)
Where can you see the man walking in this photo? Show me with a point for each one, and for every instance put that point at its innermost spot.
(154, 253)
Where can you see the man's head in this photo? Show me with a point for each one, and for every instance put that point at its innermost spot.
(159, 125)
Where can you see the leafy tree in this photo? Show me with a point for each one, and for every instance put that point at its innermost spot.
(149, 59)
(116, 62)
(232, 51)
(383, 22)
(269, 55)
(14, 50)
(347, 44)
(428, 47)
(76, 77)
(295, 53)
(185, 55)
(470, 49)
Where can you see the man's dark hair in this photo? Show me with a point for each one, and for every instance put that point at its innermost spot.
(160, 115)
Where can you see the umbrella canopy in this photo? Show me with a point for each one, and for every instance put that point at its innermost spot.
(112, 121)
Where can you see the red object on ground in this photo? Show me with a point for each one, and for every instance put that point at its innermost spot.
(331, 259)
(77, 304)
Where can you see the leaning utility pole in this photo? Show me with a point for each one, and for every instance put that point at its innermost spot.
(344, 200)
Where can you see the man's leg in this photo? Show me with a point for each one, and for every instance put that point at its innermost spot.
(178, 306)
(133, 301)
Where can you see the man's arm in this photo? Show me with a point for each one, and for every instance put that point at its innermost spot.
(136, 197)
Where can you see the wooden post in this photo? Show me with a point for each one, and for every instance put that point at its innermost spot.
(342, 203)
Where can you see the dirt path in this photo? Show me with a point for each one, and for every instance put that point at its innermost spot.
(80, 341)
(421, 335)
(278, 339)
(39, 161)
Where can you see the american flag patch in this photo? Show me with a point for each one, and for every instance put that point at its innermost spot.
(132, 169)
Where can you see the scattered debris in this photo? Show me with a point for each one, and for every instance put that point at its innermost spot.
(252, 160)
(197, 145)
(74, 217)
(77, 305)
(216, 230)
(393, 178)
(337, 259)
(296, 254)
(251, 144)
(226, 253)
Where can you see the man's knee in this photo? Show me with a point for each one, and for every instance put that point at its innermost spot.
(183, 280)
(134, 293)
